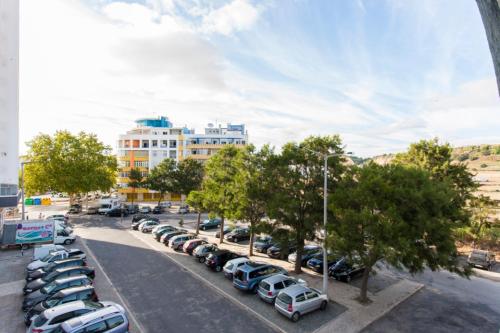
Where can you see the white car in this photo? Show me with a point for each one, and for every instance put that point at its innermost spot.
(177, 242)
(42, 250)
(183, 210)
(271, 286)
(64, 236)
(145, 210)
(232, 265)
(166, 204)
(50, 319)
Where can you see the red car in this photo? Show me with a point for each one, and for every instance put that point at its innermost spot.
(190, 245)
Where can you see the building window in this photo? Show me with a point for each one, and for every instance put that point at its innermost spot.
(165, 133)
(165, 153)
(173, 144)
(145, 144)
(143, 164)
(173, 154)
(154, 153)
(154, 143)
(164, 143)
(242, 142)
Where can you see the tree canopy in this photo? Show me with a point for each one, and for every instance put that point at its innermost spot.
(69, 163)
(397, 213)
(161, 178)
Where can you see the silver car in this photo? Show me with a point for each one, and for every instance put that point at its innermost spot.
(51, 319)
(298, 300)
(270, 287)
(177, 242)
(108, 319)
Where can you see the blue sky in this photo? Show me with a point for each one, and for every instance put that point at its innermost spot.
(382, 74)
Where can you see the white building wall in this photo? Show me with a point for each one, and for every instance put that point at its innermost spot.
(9, 102)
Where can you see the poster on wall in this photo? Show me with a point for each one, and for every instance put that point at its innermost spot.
(35, 232)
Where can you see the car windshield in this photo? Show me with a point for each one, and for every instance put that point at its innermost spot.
(40, 320)
(478, 255)
(49, 267)
(285, 298)
(47, 257)
(93, 305)
(50, 302)
(50, 277)
(240, 275)
(264, 285)
(48, 288)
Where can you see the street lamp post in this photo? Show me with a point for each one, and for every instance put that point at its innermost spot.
(325, 214)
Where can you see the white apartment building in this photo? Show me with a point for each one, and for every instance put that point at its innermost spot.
(155, 139)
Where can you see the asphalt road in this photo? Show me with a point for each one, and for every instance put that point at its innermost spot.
(447, 303)
(161, 295)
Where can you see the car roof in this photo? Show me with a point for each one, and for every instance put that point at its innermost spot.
(63, 308)
(89, 317)
(277, 278)
(70, 278)
(64, 269)
(220, 251)
(311, 246)
(72, 290)
(238, 260)
(253, 265)
(295, 290)
(66, 260)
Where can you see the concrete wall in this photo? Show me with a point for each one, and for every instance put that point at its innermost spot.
(490, 13)
(9, 101)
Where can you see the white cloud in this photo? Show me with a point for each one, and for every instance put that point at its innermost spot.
(235, 16)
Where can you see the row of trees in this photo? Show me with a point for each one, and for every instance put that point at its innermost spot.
(405, 212)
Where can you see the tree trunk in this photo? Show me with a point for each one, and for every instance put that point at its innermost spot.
(298, 259)
(198, 223)
(250, 250)
(363, 298)
(221, 240)
(133, 193)
(87, 201)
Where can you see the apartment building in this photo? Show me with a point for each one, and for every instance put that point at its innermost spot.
(154, 139)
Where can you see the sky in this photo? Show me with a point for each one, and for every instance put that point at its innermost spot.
(381, 74)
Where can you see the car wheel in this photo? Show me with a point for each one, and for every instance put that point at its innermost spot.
(348, 279)
(489, 267)
(323, 305)
(236, 240)
(67, 241)
(254, 289)
(218, 268)
(295, 317)
(201, 260)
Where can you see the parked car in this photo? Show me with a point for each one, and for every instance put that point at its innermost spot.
(227, 229)
(82, 293)
(271, 286)
(158, 210)
(183, 210)
(41, 251)
(93, 210)
(50, 320)
(262, 243)
(107, 319)
(168, 235)
(58, 274)
(316, 262)
(344, 270)
(139, 217)
(177, 242)
(482, 258)
(238, 235)
(135, 225)
(308, 252)
(277, 252)
(147, 226)
(117, 212)
(41, 272)
(145, 210)
(64, 236)
(297, 300)
(54, 256)
(232, 265)
(210, 223)
(43, 293)
(160, 232)
(75, 209)
(57, 217)
(190, 245)
(216, 260)
(166, 204)
(132, 209)
(248, 276)
(202, 251)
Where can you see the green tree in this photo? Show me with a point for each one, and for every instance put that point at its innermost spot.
(162, 178)
(195, 200)
(396, 213)
(219, 186)
(188, 176)
(69, 163)
(297, 179)
(437, 160)
(252, 187)
(135, 181)
(482, 211)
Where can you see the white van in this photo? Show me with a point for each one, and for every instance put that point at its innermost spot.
(64, 236)
(108, 204)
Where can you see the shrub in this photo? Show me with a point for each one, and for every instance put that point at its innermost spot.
(463, 157)
(497, 151)
(484, 165)
(473, 158)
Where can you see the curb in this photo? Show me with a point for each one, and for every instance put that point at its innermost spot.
(493, 276)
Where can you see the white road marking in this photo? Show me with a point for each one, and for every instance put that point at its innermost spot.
(214, 287)
(124, 303)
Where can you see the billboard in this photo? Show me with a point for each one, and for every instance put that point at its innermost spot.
(34, 232)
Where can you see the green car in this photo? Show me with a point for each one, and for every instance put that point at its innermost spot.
(210, 223)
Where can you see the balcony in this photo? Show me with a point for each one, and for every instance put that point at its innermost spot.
(199, 156)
